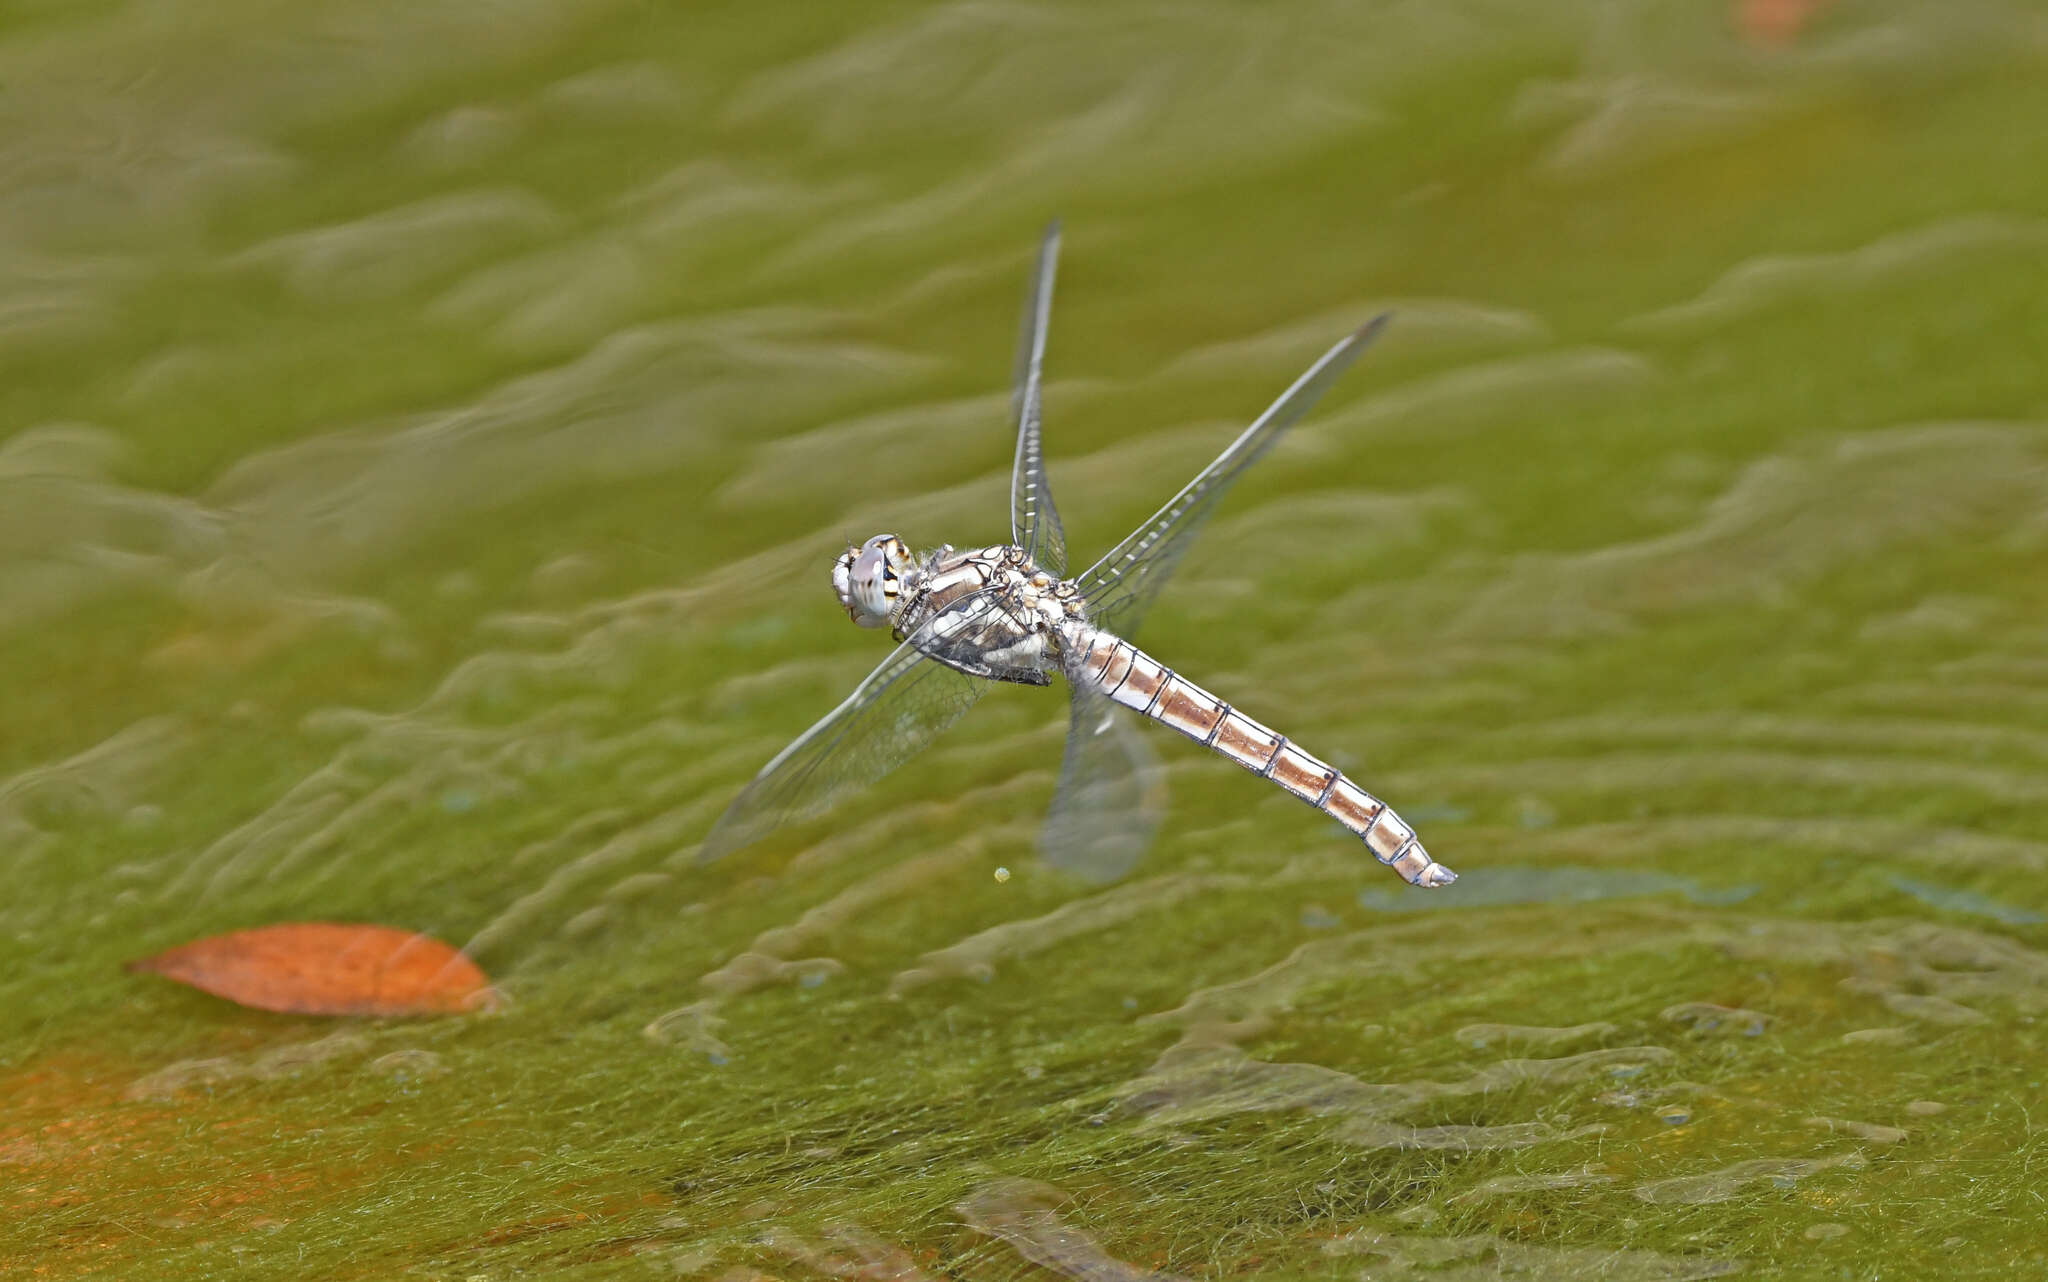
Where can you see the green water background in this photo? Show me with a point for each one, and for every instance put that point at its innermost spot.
(424, 432)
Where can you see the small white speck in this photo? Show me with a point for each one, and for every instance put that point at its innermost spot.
(1002, 874)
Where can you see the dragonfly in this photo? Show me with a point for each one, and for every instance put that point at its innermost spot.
(968, 620)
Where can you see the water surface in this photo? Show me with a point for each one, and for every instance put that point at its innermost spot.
(424, 435)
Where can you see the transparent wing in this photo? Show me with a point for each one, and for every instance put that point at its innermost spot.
(901, 706)
(1034, 521)
(1111, 796)
(1122, 585)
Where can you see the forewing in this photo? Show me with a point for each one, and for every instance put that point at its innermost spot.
(1111, 795)
(901, 706)
(1120, 588)
(1034, 520)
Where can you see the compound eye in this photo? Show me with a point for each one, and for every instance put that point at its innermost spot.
(873, 584)
(869, 568)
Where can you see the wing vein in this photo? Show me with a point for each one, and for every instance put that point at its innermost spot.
(1034, 518)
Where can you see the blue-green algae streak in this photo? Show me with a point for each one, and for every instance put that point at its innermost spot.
(425, 431)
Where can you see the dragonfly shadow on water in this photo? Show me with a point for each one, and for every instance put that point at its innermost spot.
(1558, 884)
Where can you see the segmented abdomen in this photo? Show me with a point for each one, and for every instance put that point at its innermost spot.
(1137, 680)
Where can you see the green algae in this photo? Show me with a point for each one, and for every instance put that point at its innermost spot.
(1677, 562)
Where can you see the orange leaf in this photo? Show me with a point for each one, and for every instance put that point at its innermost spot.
(329, 968)
(1775, 24)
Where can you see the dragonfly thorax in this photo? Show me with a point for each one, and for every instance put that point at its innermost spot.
(1012, 603)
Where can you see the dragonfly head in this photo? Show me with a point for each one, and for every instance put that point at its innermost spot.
(869, 578)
